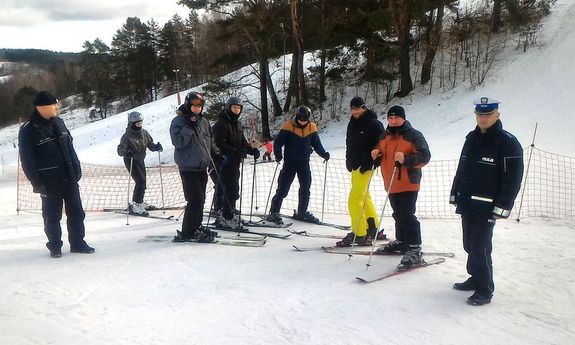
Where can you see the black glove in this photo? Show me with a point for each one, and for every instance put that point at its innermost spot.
(348, 166)
(278, 158)
(365, 167)
(325, 156)
(41, 189)
(159, 147)
(256, 154)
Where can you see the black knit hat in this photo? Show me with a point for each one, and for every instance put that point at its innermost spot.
(357, 102)
(396, 110)
(44, 98)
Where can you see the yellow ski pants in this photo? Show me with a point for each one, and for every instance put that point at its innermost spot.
(358, 193)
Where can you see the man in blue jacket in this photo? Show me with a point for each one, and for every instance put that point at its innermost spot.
(486, 183)
(195, 151)
(52, 166)
(299, 138)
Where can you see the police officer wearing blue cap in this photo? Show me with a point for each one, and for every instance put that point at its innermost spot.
(487, 180)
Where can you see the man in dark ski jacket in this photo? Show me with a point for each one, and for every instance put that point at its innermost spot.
(403, 149)
(363, 132)
(195, 151)
(52, 166)
(486, 183)
(299, 138)
(132, 147)
(230, 139)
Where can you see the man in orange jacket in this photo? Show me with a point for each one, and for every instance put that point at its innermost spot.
(403, 150)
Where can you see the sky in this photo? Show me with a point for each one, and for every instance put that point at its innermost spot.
(64, 25)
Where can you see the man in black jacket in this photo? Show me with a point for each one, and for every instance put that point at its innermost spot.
(363, 133)
(52, 166)
(230, 139)
(486, 183)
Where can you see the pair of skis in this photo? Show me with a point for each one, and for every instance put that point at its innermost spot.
(238, 240)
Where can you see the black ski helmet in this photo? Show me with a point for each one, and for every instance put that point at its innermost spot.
(303, 113)
(193, 98)
(134, 117)
(234, 101)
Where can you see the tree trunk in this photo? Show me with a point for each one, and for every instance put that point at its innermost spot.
(434, 38)
(292, 84)
(272, 92)
(402, 24)
(298, 39)
(264, 97)
(496, 16)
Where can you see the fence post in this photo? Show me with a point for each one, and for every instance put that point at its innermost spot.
(527, 172)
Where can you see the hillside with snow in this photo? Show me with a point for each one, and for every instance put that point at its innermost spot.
(145, 292)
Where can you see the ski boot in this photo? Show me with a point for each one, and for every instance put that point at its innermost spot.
(306, 217)
(413, 257)
(137, 209)
(393, 247)
(148, 207)
(348, 240)
(274, 218)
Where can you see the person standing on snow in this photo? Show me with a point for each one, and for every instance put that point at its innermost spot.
(403, 149)
(268, 143)
(132, 147)
(230, 140)
(363, 132)
(484, 189)
(299, 138)
(52, 166)
(195, 151)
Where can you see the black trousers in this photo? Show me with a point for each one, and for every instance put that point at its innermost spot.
(217, 201)
(407, 227)
(287, 174)
(194, 184)
(477, 236)
(229, 189)
(139, 177)
(57, 196)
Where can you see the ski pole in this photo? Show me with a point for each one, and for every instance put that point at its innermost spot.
(397, 165)
(324, 186)
(241, 191)
(128, 191)
(161, 183)
(271, 186)
(253, 188)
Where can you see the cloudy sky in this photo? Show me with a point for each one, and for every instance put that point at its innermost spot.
(64, 25)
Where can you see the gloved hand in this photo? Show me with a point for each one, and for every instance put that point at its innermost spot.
(159, 147)
(452, 200)
(348, 166)
(41, 189)
(256, 154)
(279, 158)
(325, 156)
(365, 167)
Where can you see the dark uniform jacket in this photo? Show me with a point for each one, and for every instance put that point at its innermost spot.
(193, 141)
(362, 136)
(229, 137)
(489, 173)
(412, 143)
(136, 140)
(47, 154)
(298, 141)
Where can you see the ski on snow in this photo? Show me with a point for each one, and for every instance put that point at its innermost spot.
(312, 234)
(224, 240)
(372, 276)
(171, 217)
(362, 251)
(248, 231)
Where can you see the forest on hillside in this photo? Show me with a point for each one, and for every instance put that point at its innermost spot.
(386, 45)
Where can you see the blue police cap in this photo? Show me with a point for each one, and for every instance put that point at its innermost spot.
(486, 105)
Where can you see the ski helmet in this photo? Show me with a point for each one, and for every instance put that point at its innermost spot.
(234, 101)
(303, 113)
(134, 117)
(194, 98)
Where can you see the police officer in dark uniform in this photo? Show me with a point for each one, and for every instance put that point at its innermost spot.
(52, 166)
(487, 181)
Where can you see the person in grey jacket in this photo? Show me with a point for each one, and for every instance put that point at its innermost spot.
(133, 148)
(195, 152)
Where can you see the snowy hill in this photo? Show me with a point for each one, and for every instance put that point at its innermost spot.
(131, 292)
